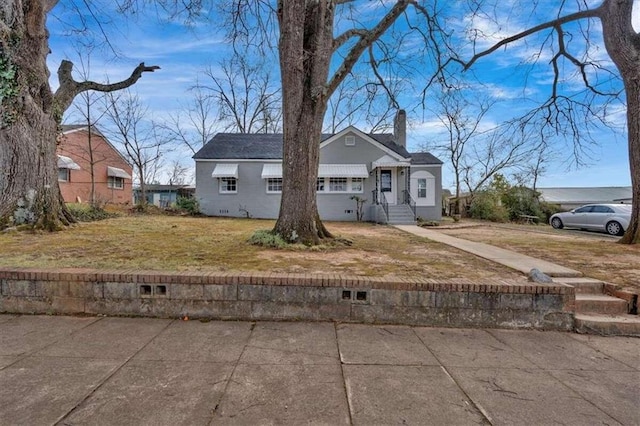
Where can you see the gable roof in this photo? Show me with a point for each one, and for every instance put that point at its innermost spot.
(72, 128)
(260, 146)
(385, 141)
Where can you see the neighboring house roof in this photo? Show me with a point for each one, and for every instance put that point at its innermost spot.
(71, 128)
(585, 195)
(260, 146)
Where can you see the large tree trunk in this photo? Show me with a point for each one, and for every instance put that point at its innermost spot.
(29, 192)
(305, 47)
(623, 46)
(632, 88)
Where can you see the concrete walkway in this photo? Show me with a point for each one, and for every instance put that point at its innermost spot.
(519, 262)
(141, 371)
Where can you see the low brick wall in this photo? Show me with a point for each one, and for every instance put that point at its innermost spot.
(268, 296)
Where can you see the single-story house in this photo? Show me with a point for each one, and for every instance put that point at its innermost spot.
(569, 198)
(240, 175)
(163, 195)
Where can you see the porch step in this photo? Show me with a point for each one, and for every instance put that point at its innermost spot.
(600, 304)
(582, 285)
(401, 215)
(608, 325)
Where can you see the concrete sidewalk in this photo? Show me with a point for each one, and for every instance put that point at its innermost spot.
(519, 262)
(87, 370)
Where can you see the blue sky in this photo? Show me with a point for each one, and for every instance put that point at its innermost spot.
(184, 52)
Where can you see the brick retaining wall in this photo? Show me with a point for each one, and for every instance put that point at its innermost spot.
(270, 296)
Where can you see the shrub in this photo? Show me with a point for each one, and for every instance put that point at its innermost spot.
(520, 200)
(89, 213)
(486, 205)
(549, 209)
(190, 205)
(266, 238)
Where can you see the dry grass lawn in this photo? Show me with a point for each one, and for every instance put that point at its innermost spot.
(593, 255)
(174, 243)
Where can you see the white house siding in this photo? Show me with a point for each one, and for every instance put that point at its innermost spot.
(431, 208)
(252, 198)
(363, 152)
(251, 195)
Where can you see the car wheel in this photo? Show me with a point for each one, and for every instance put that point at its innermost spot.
(556, 222)
(614, 228)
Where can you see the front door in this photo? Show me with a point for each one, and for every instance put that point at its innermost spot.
(388, 185)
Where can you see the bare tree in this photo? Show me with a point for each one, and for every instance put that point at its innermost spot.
(143, 143)
(307, 47)
(85, 106)
(462, 119)
(30, 114)
(496, 152)
(360, 100)
(622, 43)
(247, 99)
(196, 126)
(178, 173)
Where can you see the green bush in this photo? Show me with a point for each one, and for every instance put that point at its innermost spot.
(520, 200)
(190, 205)
(486, 205)
(89, 213)
(266, 238)
(549, 209)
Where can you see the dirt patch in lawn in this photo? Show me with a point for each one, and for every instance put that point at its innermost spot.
(216, 244)
(594, 255)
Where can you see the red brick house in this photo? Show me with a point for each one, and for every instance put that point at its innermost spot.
(78, 149)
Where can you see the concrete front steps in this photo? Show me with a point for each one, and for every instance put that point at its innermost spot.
(599, 313)
(401, 214)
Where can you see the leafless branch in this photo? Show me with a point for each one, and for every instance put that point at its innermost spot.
(69, 88)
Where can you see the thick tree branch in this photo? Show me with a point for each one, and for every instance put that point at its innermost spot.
(347, 35)
(589, 13)
(364, 42)
(69, 88)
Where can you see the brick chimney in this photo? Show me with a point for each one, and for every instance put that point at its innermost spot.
(400, 128)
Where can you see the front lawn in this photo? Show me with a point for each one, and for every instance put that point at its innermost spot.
(175, 243)
(592, 254)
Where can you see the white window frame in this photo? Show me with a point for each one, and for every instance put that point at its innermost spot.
(223, 185)
(67, 174)
(422, 188)
(356, 181)
(338, 181)
(350, 141)
(115, 182)
(274, 183)
(321, 185)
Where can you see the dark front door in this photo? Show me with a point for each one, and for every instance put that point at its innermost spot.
(387, 186)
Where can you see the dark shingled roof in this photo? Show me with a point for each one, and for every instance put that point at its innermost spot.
(418, 158)
(258, 146)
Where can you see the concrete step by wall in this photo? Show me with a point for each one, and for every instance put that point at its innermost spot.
(583, 285)
(598, 313)
(600, 304)
(607, 325)
(401, 215)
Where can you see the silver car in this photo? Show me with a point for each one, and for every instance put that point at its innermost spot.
(612, 218)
